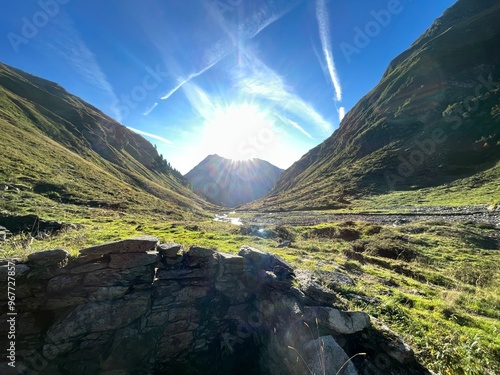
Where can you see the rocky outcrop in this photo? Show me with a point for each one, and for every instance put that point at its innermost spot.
(32, 225)
(139, 307)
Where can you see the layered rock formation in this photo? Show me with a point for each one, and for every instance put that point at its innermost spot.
(139, 307)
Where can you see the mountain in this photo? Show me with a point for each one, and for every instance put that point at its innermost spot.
(58, 148)
(432, 122)
(232, 183)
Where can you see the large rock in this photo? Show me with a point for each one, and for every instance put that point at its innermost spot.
(132, 260)
(57, 257)
(131, 245)
(345, 322)
(169, 249)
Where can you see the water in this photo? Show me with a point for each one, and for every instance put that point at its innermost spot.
(226, 219)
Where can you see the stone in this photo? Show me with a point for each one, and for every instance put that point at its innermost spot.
(123, 277)
(131, 245)
(100, 316)
(344, 322)
(132, 260)
(169, 249)
(313, 291)
(63, 283)
(266, 261)
(46, 258)
(191, 294)
(200, 252)
(324, 353)
(89, 268)
(252, 254)
(108, 293)
(104, 277)
(183, 313)
(395, 347)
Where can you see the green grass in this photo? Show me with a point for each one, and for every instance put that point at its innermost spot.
(434, 283)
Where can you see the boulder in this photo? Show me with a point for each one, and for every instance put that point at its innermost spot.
(46, 258)
(344, 322)
(169, 250)
(132, 245)
(199, 252)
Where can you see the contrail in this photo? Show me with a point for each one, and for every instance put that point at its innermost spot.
(324, 34)
(150, 135)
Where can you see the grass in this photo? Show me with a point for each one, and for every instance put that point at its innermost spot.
(434, 283)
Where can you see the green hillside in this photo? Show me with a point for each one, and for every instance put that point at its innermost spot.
(431, 123)
(57, 149)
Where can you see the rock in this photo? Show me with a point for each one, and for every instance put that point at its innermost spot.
(108, 293)
(253, 255)
(131, 245)
(191, 294)
(266, 261)
(169, 250)
(324, 353)
(395, 347)
(132, 260)
(345, 322)
(313, 291)
(100, 316)
(199, 252)
(49, 258)
(63, 282)
(89, 268)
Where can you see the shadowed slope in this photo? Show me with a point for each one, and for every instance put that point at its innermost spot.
(64, 149)
(432, 120)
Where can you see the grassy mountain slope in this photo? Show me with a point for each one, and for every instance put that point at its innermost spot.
(432, 121)
(232, 183)
(57, 147)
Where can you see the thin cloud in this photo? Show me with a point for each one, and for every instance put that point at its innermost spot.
(341, 113)
(70, 46)
(149, 110)
(186, 80)
(324, 34)
(255, 78)
(247, 29)
(300, 128)
(150, 135)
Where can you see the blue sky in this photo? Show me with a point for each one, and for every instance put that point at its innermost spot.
(241, 78)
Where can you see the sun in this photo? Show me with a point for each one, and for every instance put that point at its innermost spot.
(238, 131)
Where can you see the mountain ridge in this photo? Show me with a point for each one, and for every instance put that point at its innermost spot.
(232, 183)
(98, 162)
(424, 89)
